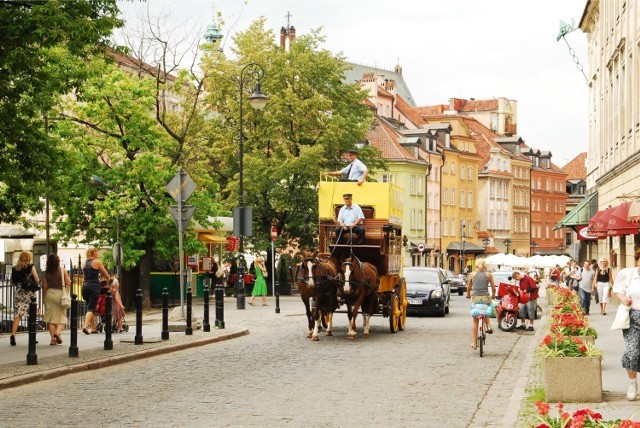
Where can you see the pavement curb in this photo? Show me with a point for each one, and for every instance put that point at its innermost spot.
(112, 361)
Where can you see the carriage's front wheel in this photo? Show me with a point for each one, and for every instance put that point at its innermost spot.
(394, 313)
(403, 304)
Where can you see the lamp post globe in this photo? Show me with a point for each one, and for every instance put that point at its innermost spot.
(258, 100)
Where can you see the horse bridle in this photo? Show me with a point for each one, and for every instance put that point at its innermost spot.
(323, 276)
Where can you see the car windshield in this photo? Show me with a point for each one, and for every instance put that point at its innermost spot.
(426, 276)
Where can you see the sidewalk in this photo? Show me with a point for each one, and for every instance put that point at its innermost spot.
(614, 378)
(54, 361)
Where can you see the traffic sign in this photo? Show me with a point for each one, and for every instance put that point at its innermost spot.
(274, 233)
(421, 248)
(181, 185)
(187, 212)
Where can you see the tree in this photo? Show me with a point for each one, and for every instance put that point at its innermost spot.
(43, 46)
(110, 129)
(311, 118)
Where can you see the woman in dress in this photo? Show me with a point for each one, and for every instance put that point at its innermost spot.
(260, 286)
(23, 297)
(54, 314)
(603, 280)
(627, 289)
(478, 292)
(91, 288)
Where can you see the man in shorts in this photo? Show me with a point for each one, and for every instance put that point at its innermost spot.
(527, 311)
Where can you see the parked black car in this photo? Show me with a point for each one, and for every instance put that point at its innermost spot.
(427, 291)
(457, 283)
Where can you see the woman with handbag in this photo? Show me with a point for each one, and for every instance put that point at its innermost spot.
(20, 272)
(603, 280)
(55, 315)
(627, 289)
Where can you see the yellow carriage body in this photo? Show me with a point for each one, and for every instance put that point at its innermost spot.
(382, 205)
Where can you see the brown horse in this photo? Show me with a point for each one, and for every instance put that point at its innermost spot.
(316, 279)
(358, 286)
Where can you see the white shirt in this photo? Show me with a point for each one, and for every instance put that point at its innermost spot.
(355, 169)
(628, 281)
(348, 216)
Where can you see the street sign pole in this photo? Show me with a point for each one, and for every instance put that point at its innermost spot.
(274, 236)
(180, 249)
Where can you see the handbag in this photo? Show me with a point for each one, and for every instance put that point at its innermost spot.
(621, 321)
(29, 284)
(65, 300)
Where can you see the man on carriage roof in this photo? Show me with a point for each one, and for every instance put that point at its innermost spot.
(356, 171)
(350, 217)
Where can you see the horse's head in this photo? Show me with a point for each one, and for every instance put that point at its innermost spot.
(309, 267)
(348, 276)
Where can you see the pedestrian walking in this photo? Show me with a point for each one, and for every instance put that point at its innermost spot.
(603, 280)
(23, 296)
(52, 282)
(627, 288)
(93, 267)
(260, 286)
(586, 285)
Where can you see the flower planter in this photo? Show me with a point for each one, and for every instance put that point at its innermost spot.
(573, 379)
(552, 297)
(588, 340)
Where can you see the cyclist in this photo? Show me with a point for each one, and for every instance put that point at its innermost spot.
(478, 292)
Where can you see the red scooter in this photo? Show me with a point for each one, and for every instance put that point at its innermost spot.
(507, 309)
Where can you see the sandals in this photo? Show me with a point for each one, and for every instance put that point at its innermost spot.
(12, 340)
(489, 331)
(85, 331)
(57, 338)
(53, 343)
(474, 346)
(251, 304)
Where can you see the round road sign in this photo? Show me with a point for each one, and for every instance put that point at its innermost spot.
(421, 247)
(274, 233)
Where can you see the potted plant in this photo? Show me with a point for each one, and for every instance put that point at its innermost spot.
(580, 418)
(572, 369)
(573, 324)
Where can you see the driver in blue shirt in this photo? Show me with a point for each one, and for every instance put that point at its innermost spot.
(350, 216)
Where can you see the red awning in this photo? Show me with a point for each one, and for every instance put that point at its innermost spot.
(598, 224)
(633, 216)
(618, 224)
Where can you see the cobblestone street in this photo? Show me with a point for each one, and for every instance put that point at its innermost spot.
(425, 376)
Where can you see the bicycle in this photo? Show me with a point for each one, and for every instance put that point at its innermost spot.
(482, 335)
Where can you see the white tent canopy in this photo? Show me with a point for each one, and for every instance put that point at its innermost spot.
(536, 261)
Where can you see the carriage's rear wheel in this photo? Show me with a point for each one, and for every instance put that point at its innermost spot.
(403, 304)
(394, 312)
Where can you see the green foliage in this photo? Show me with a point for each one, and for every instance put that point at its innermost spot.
(283, 274)
(310, 119)
(111, 132)
(43, 46)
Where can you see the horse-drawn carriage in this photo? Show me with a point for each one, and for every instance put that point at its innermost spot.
(367, 275)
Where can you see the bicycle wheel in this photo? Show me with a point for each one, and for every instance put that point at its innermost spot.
(481, 336)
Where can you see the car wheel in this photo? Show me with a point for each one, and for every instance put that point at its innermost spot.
(446, 308)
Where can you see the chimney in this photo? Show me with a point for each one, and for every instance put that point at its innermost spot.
(292, 35)
(283, 37)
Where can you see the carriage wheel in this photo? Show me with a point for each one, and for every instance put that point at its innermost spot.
(394, 312)
(403, 304)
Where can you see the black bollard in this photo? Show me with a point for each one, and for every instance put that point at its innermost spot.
(138, 339)
(277, 297)
(205, 322)
(165, 314)
(73, 347)
(32, 357)
(108, 342)
(220, 305)
(189, 330)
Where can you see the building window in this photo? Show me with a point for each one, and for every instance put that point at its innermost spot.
(388, 178)
(453, 168)
(462, 200)
(419, 179)
(453, 227)
(461, 172)
(470, 199)
(445, 227)
(445, 192)
(420, 218)
(412, 219)
(412, 185)
(453, 196)
(547, 206)
(428, 200)
(470, 173)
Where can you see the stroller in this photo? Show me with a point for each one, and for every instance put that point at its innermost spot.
(101, 312)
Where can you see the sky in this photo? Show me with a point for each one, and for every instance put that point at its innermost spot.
(480, 49)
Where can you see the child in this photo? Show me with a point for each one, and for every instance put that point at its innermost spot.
(117, 308)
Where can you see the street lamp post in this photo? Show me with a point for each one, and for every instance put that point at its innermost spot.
(485, 242)
(426, 208)
(257, 100)
(462, 260)
(507, 242)
(117, 247)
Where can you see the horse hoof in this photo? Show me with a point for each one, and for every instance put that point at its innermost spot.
(315, 338)
(351, 337)
(309, 335)
(329, 333)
